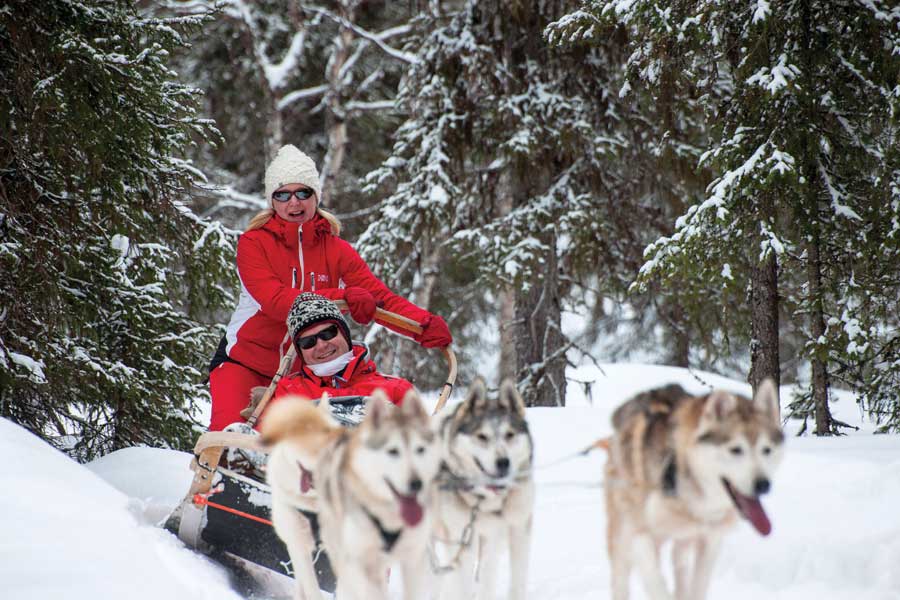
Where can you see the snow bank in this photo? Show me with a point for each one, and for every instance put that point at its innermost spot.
(69, 534)
(90, 533)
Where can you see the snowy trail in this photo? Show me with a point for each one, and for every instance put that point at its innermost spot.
(90, 533)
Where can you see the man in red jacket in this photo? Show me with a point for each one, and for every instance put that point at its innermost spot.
(329, 361)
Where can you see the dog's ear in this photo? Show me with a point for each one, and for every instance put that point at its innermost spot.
(325, 404)
(412, 406)
(376, 409)
(476, 398)
(719, 405)
(283, 419)
(766, 400)
(510, 399)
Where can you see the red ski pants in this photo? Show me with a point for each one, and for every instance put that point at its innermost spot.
(229, 386)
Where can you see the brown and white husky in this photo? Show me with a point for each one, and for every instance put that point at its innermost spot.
(683, 468)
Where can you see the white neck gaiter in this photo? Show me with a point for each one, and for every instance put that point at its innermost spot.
(327, 369)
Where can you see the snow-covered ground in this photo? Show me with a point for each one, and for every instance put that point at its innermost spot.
(92, 532)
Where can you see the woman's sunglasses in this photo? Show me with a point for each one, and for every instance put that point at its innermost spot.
(302, 194)
(308, 341)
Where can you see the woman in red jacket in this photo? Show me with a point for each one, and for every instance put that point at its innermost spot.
(288, 249)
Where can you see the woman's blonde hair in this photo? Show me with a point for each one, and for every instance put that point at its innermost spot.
(262, 217)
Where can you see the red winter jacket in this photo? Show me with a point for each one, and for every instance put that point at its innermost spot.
(359, 378)
(275, 268)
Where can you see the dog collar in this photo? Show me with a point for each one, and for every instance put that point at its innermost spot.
(450, 481)
(670, 478)
(388, 538)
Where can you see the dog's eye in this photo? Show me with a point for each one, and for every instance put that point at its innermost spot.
(420, 450)
(393, 452)
(766, 450)
(736, 450)
(482, 438)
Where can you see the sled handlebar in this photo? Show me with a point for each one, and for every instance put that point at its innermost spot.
(415, 328)
(210, 446)
(383, 316)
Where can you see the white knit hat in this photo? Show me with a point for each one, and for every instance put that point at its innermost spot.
(290, 165)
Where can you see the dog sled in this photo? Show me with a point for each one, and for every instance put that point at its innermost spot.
(226, 513)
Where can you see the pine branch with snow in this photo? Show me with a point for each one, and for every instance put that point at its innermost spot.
(108, 276)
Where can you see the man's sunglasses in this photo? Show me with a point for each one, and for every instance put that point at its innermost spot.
(308, 341)
(302, 194)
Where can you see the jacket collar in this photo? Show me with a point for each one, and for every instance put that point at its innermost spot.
(313, 230)
(360, 363)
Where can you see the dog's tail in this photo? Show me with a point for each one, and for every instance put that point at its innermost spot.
(298, 421)
(600, 444)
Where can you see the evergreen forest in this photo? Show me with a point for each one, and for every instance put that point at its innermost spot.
(706, 184)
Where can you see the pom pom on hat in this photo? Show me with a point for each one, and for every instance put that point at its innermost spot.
(290, 165)
(310, 309)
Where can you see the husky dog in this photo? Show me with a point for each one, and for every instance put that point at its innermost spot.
(373, 485)
(682, 468)
(486, 496)
(290, 478)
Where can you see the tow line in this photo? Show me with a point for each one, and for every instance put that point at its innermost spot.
(203, 499)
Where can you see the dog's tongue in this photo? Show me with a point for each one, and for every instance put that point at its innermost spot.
(752, 510)
(306, 481)
(410, 510)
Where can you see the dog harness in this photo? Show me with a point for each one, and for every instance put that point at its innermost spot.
(670, 478)
(388, 538)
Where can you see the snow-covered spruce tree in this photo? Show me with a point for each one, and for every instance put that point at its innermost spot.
(658, 134)
(103, 268)
(497, 168)
(799, 147)
(708, 259)
(320, 75)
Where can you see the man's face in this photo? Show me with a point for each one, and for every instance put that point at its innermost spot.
(324, 350)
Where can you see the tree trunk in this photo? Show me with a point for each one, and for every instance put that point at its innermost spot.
(119, 437)
(336, 117)
(507, 366)
(676, 336)
(816, 299)
(824, 421)
(274, 127)
(764, 356)
(422, 295)
(539, 343)
(537, 340)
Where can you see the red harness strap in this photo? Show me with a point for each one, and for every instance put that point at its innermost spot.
(201, 499)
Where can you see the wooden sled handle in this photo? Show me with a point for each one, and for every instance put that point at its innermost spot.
(383, 316)
(286, 361)
(212, 444)
(451, 379)
(412, 327)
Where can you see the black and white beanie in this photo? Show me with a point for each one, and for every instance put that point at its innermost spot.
(309, 309)
(290, 165)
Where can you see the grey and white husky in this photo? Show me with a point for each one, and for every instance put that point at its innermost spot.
(486, 497)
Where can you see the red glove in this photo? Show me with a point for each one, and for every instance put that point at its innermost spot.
(435, 333)
(361, 304)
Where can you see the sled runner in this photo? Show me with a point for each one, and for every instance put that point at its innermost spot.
(227, 510)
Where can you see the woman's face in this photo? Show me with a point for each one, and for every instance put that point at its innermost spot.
(294, 209)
